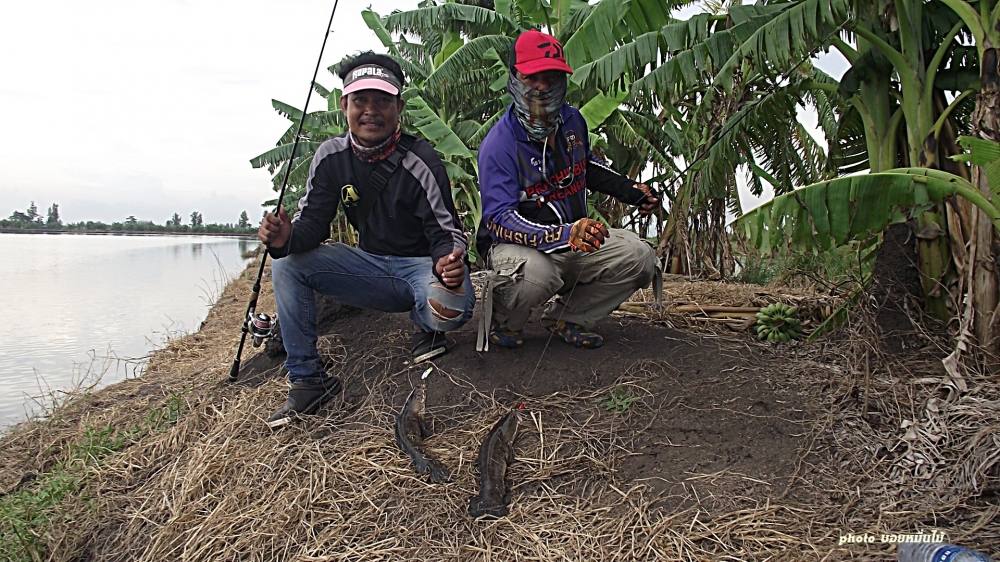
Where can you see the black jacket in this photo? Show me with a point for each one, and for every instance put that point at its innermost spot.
(413, 216)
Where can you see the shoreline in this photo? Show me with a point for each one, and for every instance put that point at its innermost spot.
(251, 235)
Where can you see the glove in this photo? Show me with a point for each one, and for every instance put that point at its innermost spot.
(649, 203)
(587, 235)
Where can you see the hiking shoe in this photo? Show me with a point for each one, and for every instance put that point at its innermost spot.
(510, 339)
(428, 345)
(576, 335)
(305, 396)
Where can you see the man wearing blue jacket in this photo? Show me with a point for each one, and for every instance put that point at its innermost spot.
(535, 168)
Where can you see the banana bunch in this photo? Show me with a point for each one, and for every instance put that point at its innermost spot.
(778, 323)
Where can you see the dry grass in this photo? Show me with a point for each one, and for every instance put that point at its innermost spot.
(217, 485)
(812, 307)
(922, 449)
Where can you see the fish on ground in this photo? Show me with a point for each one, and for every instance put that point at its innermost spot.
(412, 429)
(495, 456)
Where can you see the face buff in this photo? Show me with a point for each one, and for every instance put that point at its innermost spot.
(538, 112)
(375, 153)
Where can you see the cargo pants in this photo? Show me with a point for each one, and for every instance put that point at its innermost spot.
(588, 286)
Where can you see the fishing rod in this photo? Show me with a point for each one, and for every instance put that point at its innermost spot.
(261, 324)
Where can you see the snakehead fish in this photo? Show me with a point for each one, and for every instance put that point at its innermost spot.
(495, 456)
(411, 429)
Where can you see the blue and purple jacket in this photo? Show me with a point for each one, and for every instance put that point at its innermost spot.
(523, 206)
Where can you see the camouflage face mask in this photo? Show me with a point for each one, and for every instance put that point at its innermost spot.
(537, 111)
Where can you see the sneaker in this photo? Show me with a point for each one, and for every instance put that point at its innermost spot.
(510, 339)
(576, 335)
(428, 345)
(305, 396)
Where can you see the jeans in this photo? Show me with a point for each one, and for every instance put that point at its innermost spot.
(356, 278)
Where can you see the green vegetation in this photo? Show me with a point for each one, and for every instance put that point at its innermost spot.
(31, 221)
(721, 92)
(454, 56)
(619, 400)
(832, 213)
(837, 266)
(25, 513)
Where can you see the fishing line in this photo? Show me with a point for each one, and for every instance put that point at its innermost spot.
(697, 159)
(252, 306)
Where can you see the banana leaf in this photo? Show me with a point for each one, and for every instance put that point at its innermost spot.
(436, 131)
(985, 154)
(834, 212)
(597, 110)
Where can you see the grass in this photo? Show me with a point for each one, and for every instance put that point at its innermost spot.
(572, 498)
(832, 267)
(757, 270)
(619, 400)
(25, 513)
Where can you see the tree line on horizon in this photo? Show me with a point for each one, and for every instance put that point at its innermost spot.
(31, 220)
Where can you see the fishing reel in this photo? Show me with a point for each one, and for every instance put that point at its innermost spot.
(261, 327)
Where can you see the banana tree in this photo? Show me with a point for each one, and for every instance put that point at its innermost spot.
(911, 87)
(906, 97)
(447, 116)
(317, 127)
(983, 22)
(455, 57)
(731, 113)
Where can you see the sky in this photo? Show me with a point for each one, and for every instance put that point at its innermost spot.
(114, 108)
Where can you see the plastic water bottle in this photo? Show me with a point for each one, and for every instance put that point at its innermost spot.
(937, 552)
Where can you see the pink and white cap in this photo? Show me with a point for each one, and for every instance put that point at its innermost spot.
(372, 77)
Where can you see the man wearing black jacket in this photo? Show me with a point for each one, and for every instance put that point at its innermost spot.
(535, 168)
(411, 255)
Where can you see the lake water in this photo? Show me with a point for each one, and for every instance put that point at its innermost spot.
(79, 306)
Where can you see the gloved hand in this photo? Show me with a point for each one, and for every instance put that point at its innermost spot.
(650, 203)
(587, 235)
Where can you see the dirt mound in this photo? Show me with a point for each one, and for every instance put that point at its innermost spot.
(896, 289)
(663, 444)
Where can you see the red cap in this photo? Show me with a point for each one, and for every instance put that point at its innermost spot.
(535, 51)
